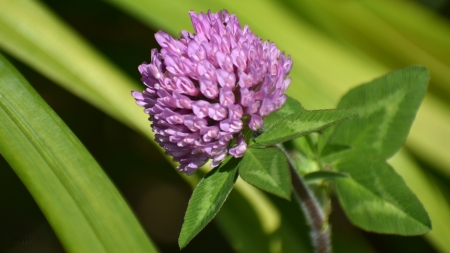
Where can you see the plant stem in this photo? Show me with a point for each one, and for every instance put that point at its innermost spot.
(320, 232)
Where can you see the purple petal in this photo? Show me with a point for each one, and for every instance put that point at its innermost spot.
(231, 125)
(240, 149)
(226, 79)
(226, 97)
(200, 108)
(235, 111)
(194, 123)
(225, 62)
(208, 88)
(245, 80)
(209, 133)
(217, 112)
(182, 101)
(247, 96)
(253, 107)
(267, 107)
(186, 86)
(195, 51)
(256, 122)
(239, 59)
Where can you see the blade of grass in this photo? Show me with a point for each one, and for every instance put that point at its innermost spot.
(429, 139)
(368, 26)
(425, 27)
(36, 36)
(388, 41)
(84, 208)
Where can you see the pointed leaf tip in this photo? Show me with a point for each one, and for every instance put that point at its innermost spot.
(207, 199)
(302, 123)
(376, 198)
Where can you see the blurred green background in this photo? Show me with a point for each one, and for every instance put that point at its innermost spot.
(335, 45)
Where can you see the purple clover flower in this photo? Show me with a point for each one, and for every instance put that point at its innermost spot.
(204, 88)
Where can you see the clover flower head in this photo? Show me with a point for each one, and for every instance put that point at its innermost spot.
(205, 87)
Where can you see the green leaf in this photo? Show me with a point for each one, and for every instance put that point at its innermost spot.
(81, 204)
(334, 152)
(291, 106)
(320, 175)
(377, 199)
(207, 199)
(302, 123)
(386, 108)
(267, 169)
(304, 145)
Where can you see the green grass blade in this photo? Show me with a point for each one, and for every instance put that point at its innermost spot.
(429, 139)
(36, 36)
(84, 208)
(370, 26)
(327, 175)
(423, 26)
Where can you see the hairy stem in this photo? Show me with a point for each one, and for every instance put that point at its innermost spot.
(320, 232)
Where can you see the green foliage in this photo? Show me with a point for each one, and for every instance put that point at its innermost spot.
(324, 68)
(386, 108)
(207, 199)
(268, 170)
(302, 123)
(84, 208)
(265, 168)
(320, 175)
(371, 193)
(377, 199)
(333, 152)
